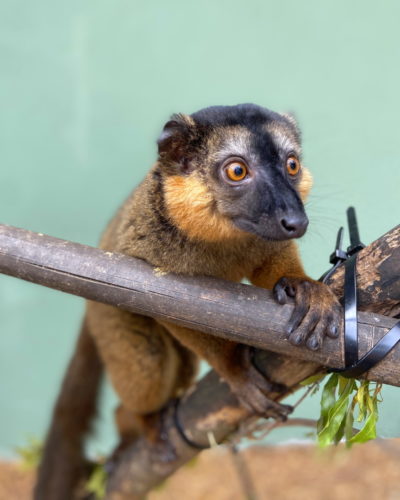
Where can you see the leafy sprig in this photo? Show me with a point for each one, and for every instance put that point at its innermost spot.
(96, 483)
(31, 453)
(344, 403)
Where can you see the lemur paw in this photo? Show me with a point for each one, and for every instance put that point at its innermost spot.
(317, 312)
(252, 389)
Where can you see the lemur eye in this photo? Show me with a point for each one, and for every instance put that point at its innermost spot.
(236, 171)
(292, 165)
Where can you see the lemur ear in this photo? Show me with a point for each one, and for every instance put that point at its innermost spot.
(173, 141)
(291, 118)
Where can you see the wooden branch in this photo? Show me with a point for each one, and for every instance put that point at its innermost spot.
(238, 312)
(378, 276)
(242, 313)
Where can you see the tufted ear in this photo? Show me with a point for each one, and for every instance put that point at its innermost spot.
(174, 139)
(291, 118)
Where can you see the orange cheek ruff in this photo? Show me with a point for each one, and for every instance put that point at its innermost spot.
(305, 184)
(190, 206)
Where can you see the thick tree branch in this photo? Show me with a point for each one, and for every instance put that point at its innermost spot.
(234, 311)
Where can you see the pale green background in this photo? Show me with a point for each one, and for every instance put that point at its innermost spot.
(84, 90)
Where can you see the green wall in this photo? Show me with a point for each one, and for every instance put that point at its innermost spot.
(84, 90)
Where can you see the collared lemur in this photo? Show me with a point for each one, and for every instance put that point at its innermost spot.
(225, 199)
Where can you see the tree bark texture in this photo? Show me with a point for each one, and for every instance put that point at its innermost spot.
(234, 311)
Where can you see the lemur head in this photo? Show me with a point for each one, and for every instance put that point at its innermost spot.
(231, 171)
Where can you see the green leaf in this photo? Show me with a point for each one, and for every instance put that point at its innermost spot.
(31, 453)
(333, 429)
(348, 426)
(341, 399)
(368, 432)
(327, 400)
(360, 397)
(340, 432)
(327, 434)
(342, 384)
(96, 483)
(314, 379)
(371, 402)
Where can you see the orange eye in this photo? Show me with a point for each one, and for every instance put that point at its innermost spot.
(236, 171)
(292, 165)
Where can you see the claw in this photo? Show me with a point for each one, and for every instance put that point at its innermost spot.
(333, 331)
(313, 344)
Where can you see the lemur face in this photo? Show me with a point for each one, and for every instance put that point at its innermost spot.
(233, 171)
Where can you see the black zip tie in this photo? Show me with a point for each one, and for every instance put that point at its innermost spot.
(350, 312)
(337, 257)
(355, 242)
(354, 367)
(181, 432)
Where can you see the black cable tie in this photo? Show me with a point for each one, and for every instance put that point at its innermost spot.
(380, 350)
(350, 312)
(355, 367)
(355, 242)
(336, 258)
(181, 432)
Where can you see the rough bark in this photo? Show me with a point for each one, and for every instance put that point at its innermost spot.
(235, 311)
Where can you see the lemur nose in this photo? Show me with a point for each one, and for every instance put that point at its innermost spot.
(294, 225)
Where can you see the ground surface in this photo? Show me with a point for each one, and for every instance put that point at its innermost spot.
(369, 471)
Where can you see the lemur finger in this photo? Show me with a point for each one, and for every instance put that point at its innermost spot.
(301, 308)
(280, 291)
(310, 321)
(334, 322)
(315, 340)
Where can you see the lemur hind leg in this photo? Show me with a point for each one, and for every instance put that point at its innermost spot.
(147, 367)
(233, 362)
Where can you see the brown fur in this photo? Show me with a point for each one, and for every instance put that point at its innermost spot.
(286, 262)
